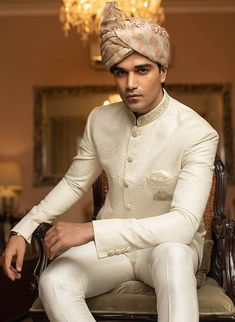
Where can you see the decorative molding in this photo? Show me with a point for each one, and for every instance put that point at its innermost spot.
(51, 7)
(40, 178)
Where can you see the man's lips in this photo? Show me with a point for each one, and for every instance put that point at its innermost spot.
(132, 96)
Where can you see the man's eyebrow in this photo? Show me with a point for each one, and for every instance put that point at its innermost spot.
(116, 68)
(122, 69)
(143, 66)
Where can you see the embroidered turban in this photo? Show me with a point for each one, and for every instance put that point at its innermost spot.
(120, 37)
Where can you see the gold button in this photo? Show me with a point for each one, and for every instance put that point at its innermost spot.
(126, 184)
(135, 133)
(130, 159)
(128, 206)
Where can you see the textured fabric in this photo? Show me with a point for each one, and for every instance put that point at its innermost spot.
(173, 267)
(173, 152)
(171, 162)
(78, 274)
(213, 300)
(135, 297)
(122, 36)
(207, 218)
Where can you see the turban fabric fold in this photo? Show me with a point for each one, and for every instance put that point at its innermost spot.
(120, 37)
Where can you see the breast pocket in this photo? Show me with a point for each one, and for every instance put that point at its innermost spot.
(162, 185)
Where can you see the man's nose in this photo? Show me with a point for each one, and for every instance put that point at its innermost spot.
(131, 82)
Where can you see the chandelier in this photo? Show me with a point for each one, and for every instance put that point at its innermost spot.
(84, 15)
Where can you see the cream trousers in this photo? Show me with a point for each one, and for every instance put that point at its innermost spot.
(78, 274)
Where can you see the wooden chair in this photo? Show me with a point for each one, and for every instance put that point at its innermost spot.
(135, 301)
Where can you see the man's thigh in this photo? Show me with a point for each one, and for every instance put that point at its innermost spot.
(142, 260)
(79, 267)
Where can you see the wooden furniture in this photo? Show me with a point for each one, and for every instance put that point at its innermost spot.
(135, 301)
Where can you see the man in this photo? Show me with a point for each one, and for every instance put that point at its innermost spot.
(158, 155)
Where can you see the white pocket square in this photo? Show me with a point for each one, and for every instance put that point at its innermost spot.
(161, 177)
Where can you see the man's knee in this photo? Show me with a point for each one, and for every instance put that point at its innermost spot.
(172, 253)
(48, 281)
(53, 281)
(172, 265)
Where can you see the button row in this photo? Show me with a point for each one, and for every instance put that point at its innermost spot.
(126, 184)
(135, 133)
(128, 206)
(130, 159)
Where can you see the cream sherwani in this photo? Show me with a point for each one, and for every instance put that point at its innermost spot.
(159, 169)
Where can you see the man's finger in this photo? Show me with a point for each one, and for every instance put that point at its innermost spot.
(53, 250)
(50, 233)
(15, 248)
(15, 273)
(19, 261)
(7, 268)
(49, 242)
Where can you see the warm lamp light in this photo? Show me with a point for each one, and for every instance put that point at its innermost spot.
(10, 175)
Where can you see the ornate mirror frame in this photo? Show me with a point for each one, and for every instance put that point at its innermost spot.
(41, 94)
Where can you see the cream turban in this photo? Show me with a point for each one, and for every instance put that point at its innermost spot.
(120, 37)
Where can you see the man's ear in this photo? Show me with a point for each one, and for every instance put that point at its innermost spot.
(163, 74)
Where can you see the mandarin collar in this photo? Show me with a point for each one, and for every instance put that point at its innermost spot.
(152, 115)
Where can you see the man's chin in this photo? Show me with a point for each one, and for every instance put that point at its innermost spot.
(133, 106)
(137, 112)
(133, 109)
(137, 109)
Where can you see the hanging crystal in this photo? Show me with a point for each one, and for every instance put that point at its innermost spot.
(85, 15)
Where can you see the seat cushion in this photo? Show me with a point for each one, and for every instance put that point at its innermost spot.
(135, 297)
(212, 299)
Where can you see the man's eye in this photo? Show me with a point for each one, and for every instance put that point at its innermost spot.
(143, 71)
(119, 72)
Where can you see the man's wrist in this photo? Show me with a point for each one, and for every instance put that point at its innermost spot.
(91, 231)
(15, 233)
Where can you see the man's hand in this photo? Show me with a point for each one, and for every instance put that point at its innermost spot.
(64, 235)
(15, 248)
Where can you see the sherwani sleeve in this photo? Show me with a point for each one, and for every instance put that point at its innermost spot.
(183, 219)
(83, 171)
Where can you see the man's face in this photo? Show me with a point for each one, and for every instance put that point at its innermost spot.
(139, 83)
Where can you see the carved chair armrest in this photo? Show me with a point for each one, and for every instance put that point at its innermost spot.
(43, 261)
(224, 252)
(229, 257)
